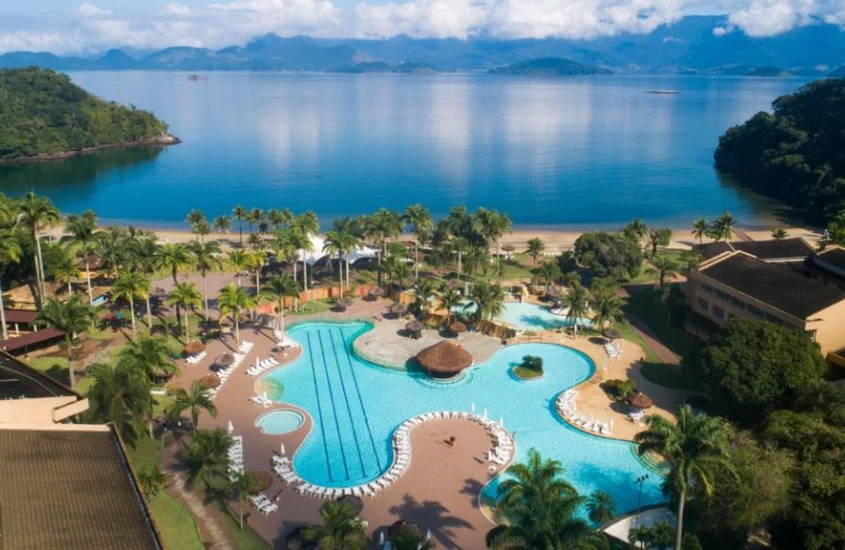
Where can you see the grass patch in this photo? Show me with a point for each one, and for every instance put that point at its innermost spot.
(663, 324)
(629, 333)
(668, 376)
(526, 374)
(314, 306)
(246, 539)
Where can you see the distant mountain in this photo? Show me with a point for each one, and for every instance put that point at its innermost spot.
(688, 46)
(768, 72)
(382, 67)
(838, 73)
(549, 66)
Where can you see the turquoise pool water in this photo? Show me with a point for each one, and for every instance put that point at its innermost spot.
(279, 422)
(356, 406)
(527, 316)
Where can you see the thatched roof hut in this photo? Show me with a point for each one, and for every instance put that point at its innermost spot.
(611, 333)
(640, 401)
(194, 347)
(376, 292)
(225, 360)
(457, 328)
(210, 381)
(444, 359)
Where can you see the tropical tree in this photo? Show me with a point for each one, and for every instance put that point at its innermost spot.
(131, 285)
(607, 306)
(700, 229)
(254, 217)
(333, 246)
(147, 356)
(535, 247)
(71, 317)
(256, 260)
(239, 261)
(10, 252)
(489, 299)
(449, 299)
(62, 266)
(492, 225)
(348, 241)
(143, 256)
(278, 218)
(696, 447)
(207, 455)
(37, 213)
(420, 218)
(397, 270)
(243, 485)
(576, 300)
(233, 300)
(122, 396)
(195, 219)
(196, 399)
(780, 233)
(636, 230)
(151, 479)
(723, 227)
(663, 269)
(278, 288)
(381, 227)
(206, 261)
(549, 272)
(409, 537)
(342, 529)
(240, 213)
(424, 291)
(541, 510)
(174, 258)
(222, 225)
(600, 507)
(659, 238)
(113, 248)
(81, 233)
(186, 296)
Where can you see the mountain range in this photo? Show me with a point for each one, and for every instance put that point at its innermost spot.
(688, 46)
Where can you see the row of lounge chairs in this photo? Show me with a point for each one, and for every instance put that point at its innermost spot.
(261, 401)
(236, 457)
(194, 359)
(224, 374)
(566, 406)
(262, 366)
(612, 350)
(264, 504)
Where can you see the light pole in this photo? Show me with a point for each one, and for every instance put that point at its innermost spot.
(640, 481)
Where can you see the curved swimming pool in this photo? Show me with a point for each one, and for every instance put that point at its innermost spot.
(356, 406)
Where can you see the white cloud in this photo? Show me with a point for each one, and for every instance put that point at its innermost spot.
(176, 9)
(90, 10)
(771, 17)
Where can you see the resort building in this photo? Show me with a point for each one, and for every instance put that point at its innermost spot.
(30, 397)
(24, 336)
(736, 283)
(772, 251)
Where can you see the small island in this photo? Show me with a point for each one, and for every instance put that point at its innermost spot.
(530, 368)
(43, 115)
(549, 66)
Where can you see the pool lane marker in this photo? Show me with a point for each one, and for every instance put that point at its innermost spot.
(334, 409)
(361, 401)
(346, 399)
(319, 407)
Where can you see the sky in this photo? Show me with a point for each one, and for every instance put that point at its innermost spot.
(71, 26)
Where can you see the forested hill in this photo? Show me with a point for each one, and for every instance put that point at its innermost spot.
(42, 113)
(797, 154)
(549, 66)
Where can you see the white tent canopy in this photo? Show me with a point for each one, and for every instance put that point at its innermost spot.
(316, 253)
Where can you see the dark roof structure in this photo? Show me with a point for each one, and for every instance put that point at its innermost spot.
(711, 250)
(20, 316)
(38, 338)
(70, 486)
(18, 380)
(794, 249)
(777, 286)
(831, 258)
(444, 358)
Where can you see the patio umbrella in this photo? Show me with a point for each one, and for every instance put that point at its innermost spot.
(457, 327)
(376, 292)
(414, 326)
(508, 248)
(231, 427)
(611, 333)
(210, 381)
(346, 302)
(194, 347)
(640, 401)
(265, 480)
(444, 359)
(355, 502)
(159, 293)
(225, 360)
(399, 309)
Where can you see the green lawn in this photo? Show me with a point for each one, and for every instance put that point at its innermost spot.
(628, 333)
(314, 306)
(664, 375)
(246, 539)
(645, 277)
(648, 310)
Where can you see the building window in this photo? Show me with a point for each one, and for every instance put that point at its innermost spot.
(811, 334)
(757, 312)
(722, 295)
(718, 312)
(707, 288)
(737, 303)
(703, 304)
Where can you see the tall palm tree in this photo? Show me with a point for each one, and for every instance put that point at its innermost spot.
(222, 225)
(420, 218)
(424, 290)
(113, 249)
(238, 260)
(147, 356)
(256, 260)
(576, 301)
(541, 509)
(120, 395)
(254, 217)
(240, 213)
(81, 233)
(10, 252)
(233, 300)
(492, 225)
(459, 246)
(449, 299)
(151, 479)
(244, 484)
(607, 306)
(186, 296)
(333, 247)
(278, 288)
(534, 247)
(550, 273)
(636, 230)
(664, 269)
(600, 507)
(489, 300)
(196, 399)
(724, 226)
(206, 261)
(131, 285)
(409, 538)
(700, 229)
(303, 245)
(342, 529)
(207, 455)
(144, 257)
(383, 226)
(71, 317)
(63, 267)
(174, 258)
(37, 213)
(696, 447)
(278, 218)
(348, 241)
(195, 219)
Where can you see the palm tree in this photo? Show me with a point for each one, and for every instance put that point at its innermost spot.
(207, 455)
(489, 300)
(424, 290)
(723, 226)
(549, 272)
(71, 317)
(144, 257)
(174, 258)
(63, 266)
(303, 245)
(195, 219)
(240, 213)
(37, 213)
(256, 260)
(576, 301)
(449, 299)
(600, 507)
(113, 249)
(206, 261)
(607, 307)
(151, 479)
(696, 447)
(382, 226)
(780, 233)
(348, 241)
(541, 509)
(342, 529)
(333, 246)
(398, 271)
(534, 248)
(254, 217)
(459, 246)
(636, 230)
(409, 538)
(244, 484)
(147, 356)
(278, 218)
(700, 229)
(129, 286)
(233, 300)
(120, 395)
(238, 260)
(278, 288)
(10, 252)
(419, 217)
(81, 233)
(222, 225)
(664, 268)
(196, 400)
(185, 295)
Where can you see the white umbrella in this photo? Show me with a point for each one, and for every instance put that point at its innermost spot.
(381, 538)
(231, 427)
(485, 413)
(428, 534)
(257, 363)
(282, 449)
(611, 423)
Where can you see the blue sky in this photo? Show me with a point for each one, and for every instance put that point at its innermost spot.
(74, 26)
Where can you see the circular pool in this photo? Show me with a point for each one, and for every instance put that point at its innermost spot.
(279, 422)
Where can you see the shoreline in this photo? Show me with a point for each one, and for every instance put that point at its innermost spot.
(159, 141)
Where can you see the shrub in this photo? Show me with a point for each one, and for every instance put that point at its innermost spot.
(619, 390)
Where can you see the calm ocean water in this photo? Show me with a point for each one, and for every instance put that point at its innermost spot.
(571, 152)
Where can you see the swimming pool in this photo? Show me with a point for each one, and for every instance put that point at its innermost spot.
(356, 406)
(279, 422)
(528, 316)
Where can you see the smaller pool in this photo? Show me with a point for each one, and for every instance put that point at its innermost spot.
(526, 316)
(279, 422)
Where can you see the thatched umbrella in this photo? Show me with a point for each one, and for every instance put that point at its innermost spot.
(225, 360)
(159, 293)
(457, 328)
(376, 292)
(414, 328)
(401, 526)
(399, 309)
(210, 381)
(444, 359)
(640, 401)
(265, 480)
(355, 502)
(346, 302)
(194, 347)
(508, 249)
(611, 333)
